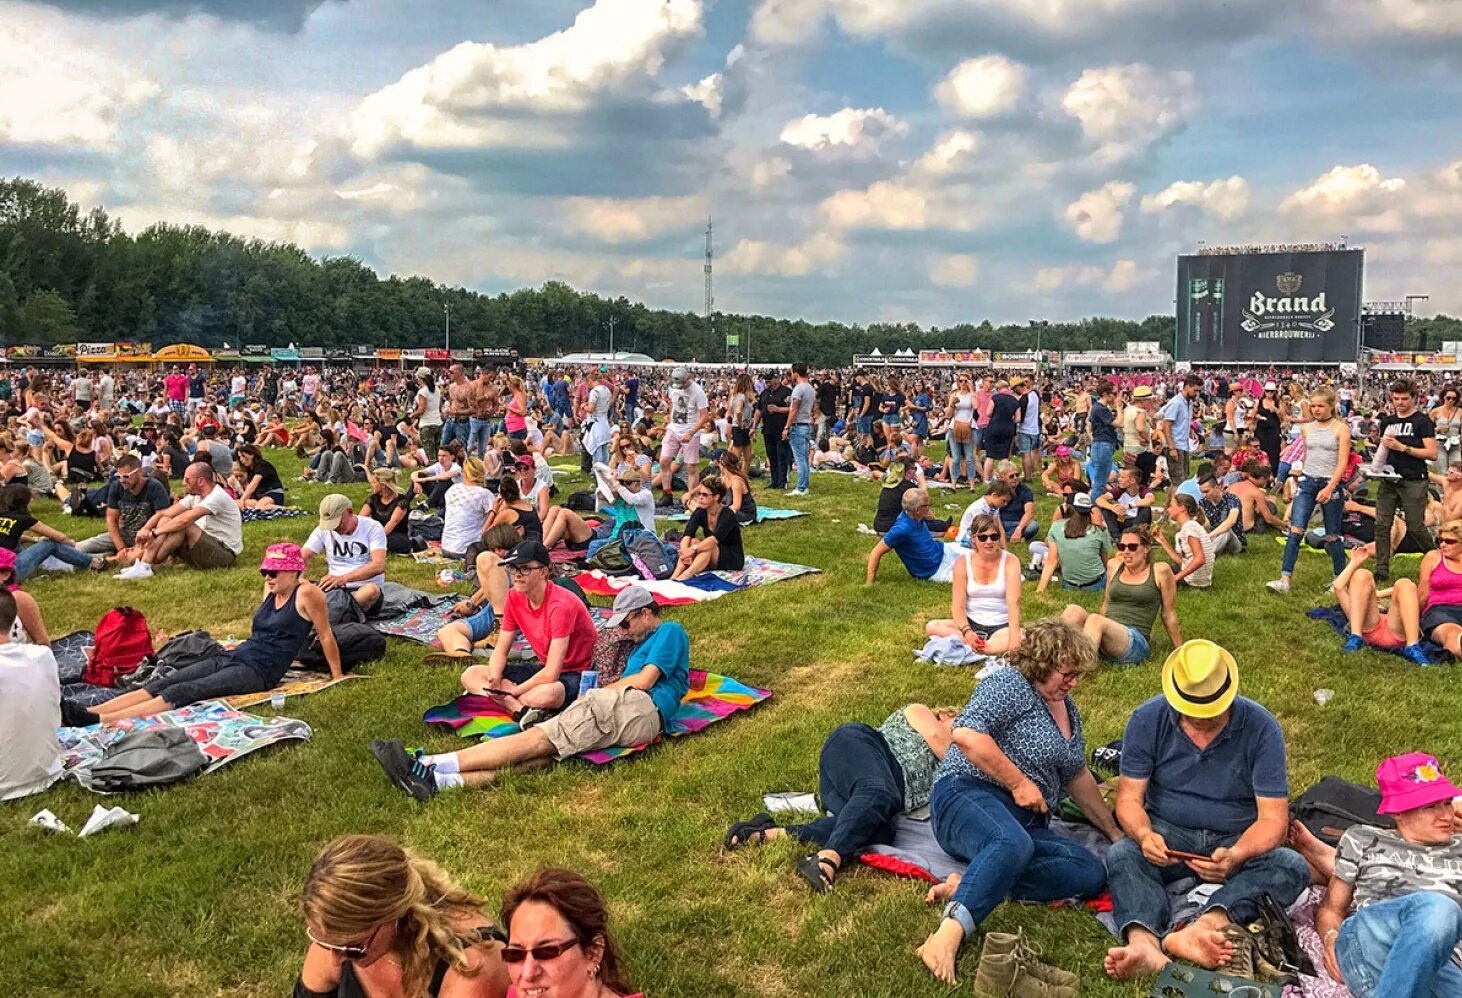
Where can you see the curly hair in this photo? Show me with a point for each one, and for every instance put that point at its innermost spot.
(1048, 646)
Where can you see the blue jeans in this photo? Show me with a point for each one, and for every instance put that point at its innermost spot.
(1138, 897)
(1375, 966)
(29, 559)
(452, 429)
(961, 456)
(800, 439)
(861, 784)
(1299, 520)
(479, 435)
(1011, 851)
(1101, 464)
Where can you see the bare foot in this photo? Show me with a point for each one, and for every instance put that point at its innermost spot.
(1125, 963)
(1200, 944)
(940, 950)
(942, 891)
(1304, 841)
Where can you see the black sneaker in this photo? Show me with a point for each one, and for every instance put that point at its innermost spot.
(530, 716)
(73, 715)
(416, 781)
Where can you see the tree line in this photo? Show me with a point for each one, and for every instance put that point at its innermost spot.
(68, 275)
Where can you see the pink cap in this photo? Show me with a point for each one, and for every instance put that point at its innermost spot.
(283, 558)
(7, 561)
(1063, 451)
(1411, 781)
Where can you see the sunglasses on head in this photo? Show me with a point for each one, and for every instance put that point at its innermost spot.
(542, 952)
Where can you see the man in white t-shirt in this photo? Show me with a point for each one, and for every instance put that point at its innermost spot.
(30, 712)
(354, 549)
(106, 389)
(237, 387)
(689, 415)
(204, 528)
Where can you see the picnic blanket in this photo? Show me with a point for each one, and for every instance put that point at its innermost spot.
(274, 513)
(223, 733)
(762, 515)
(916, 853)
(412, 613)
(1303, 917)
(698, 589)
(295, 683)
(711, 698)
(1335, 617)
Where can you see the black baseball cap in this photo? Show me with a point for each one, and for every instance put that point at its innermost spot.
(527, 553)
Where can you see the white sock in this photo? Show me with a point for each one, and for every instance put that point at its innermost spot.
(446, 763)
(449, 781)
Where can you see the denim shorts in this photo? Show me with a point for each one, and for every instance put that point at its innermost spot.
(1025, 443)
(865, 425)
(480, 624)
(1096, 585)
(1138, 648)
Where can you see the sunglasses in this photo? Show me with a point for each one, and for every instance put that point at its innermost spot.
(270, 573)
(353, 951)
(987, 537)
(1448, 540)
(1129, 547)
(543, 952)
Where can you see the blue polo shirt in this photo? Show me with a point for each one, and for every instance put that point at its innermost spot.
(1180, 411)
(1213, 789)
(918, 549)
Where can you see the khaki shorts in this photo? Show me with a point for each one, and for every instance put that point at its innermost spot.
(603, 718)
(207, 552)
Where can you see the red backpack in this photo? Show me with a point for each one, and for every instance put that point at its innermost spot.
(122, 641)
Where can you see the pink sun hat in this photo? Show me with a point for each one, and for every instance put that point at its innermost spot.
(283, 558)
(1411, 781)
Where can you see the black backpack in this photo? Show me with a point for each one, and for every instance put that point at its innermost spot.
(358, 643)
(1331, 806)
(581, 502)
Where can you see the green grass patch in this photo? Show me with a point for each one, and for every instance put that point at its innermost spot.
(200, 897)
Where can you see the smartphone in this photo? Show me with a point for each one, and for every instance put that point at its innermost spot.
(1179, 854)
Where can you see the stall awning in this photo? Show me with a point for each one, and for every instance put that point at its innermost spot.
(182, 353)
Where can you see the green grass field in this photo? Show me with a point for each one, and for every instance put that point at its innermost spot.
(200, 897)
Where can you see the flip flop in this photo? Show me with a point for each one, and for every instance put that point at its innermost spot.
(754, 830)
(810, 869)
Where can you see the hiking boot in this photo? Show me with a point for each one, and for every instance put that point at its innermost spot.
(1028, 985)
(999, 944)
(995, 976)
(1241, 964)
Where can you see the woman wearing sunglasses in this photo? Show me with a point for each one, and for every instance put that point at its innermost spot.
(1137, 592)
(559, 944)
(985, 608)
(1447, 416)
(281, 625)
(383, 921)
(1439, 589)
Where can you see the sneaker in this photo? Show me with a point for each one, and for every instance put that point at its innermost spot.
(141, 570)
(1416, 655)
(1280, 586)
(406, 773)
(1031, 574)
(1353, 643)
(531, 716)
(1387, 472)
(66, 508)
(798, 492)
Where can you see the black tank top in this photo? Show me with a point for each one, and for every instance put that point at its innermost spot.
(530, 523)
(275, 640)
(81, 465)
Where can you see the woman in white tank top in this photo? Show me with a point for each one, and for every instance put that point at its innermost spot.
(985, 594)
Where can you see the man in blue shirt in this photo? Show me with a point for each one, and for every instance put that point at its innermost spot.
(1177, 423)
(633, 710)
(923, 554)
(1203, 793)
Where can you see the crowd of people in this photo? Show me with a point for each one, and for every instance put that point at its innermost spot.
(1156, 479)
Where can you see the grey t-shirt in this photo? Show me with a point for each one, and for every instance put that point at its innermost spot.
(1380, 865)
(806, 400)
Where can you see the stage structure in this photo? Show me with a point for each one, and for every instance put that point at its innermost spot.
(1270, 305)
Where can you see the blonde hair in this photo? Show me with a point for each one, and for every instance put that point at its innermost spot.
(1326, 394)
(1452, 528)
(360, 882)
(474, 470)
(1047, 646)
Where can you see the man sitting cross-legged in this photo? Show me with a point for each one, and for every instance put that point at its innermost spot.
(204, 528)
(355, 552)
(1203, 793)
(630, 711)
(480, 612)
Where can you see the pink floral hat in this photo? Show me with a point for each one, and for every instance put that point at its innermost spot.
(1411, 781)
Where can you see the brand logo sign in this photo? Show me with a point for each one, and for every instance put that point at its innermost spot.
(1289, 315)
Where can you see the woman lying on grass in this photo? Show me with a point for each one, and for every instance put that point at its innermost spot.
(866, 778)
(1397, 628)
(282, 623)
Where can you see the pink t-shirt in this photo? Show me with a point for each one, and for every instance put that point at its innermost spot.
(177, 387)
(562, 615)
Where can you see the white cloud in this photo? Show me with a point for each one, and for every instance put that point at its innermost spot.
(56, 91)
(855, 131)
(1125, 109)
(1225, 200)
(1343, 190)
(1427, 19)
(448, 102)
(786, 22)
(707, 93)
(887, 204)
(312, 234)
(769, 171)
(752, 256)
(951, 152)
(1097, 215)
(1123, 277)
(984, 87)
(632, 219)
(955, 270)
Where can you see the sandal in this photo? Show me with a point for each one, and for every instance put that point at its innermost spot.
(811, 869)
(754, 830)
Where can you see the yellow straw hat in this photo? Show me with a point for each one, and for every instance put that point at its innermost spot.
(1200, 679)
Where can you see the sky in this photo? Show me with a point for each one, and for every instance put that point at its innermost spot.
(933, 161)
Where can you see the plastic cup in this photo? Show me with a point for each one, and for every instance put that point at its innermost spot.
(276, 700)
(1322, 697)
(588, 681)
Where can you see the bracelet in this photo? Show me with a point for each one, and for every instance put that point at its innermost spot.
(1332, 932)
(965, 629)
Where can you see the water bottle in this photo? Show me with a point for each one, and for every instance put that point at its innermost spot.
(276, 700)
(588, 680)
